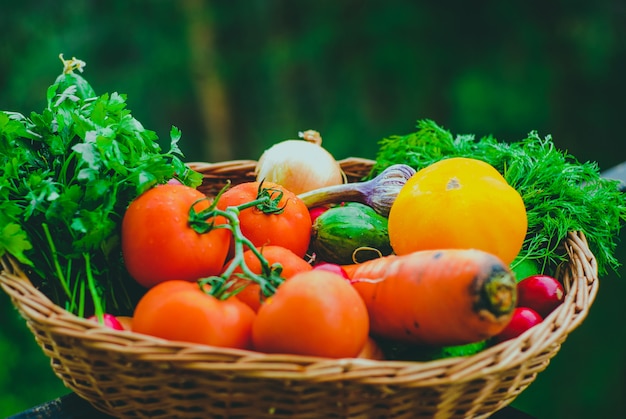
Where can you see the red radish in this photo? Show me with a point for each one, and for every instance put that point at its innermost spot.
(332, 267)
(126, 322)
(316, 212)
(542, 293)
(109, 320)
(523, 319)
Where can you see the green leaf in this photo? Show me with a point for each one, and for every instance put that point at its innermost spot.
(65, 205)
(14, 241)
(175, 135)
(94, 227)
(88, 154)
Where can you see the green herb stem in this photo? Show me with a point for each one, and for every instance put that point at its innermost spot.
(93, 289)
(55, 260)
(81, 300)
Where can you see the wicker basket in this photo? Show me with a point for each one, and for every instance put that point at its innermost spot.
(130, 375)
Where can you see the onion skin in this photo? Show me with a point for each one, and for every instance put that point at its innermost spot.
(299, 166)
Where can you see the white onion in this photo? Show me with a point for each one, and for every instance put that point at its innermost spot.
(299, 165)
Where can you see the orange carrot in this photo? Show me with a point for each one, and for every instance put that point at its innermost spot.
(436, 297)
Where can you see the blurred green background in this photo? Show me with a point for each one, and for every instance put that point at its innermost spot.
(238, 76)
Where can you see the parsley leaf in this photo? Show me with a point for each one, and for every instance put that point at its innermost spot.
(67, 174)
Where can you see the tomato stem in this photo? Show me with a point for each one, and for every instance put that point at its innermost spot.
(269, 199)
(221, 286)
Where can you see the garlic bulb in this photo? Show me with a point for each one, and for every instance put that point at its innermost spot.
(378, 193)
(299, 165)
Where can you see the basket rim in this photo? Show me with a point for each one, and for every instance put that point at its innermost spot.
(581, 284)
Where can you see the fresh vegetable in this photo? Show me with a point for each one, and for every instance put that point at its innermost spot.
(542, 293)
(379, 193)
(299, 165)
(283, 220)
(438, 297)
(183, 311)
(159, 243)
(67, 175)
(108, 320)
(224, 285)
(523, 319)
(332, 267)
(208, 310)
(561, 194)
(523, 268)
(371, 350)
(317, 211)
(460, 350)
(195, 225)
(314, 313)
(458, 203)
(403, 351)
(284, 261)
(350, 233)
(126, 322)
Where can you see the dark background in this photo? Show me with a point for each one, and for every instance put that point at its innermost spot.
(238, 76)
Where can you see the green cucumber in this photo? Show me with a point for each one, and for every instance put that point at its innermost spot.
(349, 233)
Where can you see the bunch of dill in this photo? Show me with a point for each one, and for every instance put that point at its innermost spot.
(561, 194)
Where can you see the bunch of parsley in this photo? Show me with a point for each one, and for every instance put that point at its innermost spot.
(561, 194)
(67, 175)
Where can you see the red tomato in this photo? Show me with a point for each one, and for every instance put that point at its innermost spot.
(159, 245)
(314, 313)
(290, 262)
(290, 228)
(181, 311)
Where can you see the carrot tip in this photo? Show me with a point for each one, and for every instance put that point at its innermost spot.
(499, 293)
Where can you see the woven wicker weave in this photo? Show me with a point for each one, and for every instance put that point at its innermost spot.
(126, 374)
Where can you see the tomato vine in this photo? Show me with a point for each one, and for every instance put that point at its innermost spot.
(201, 221)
